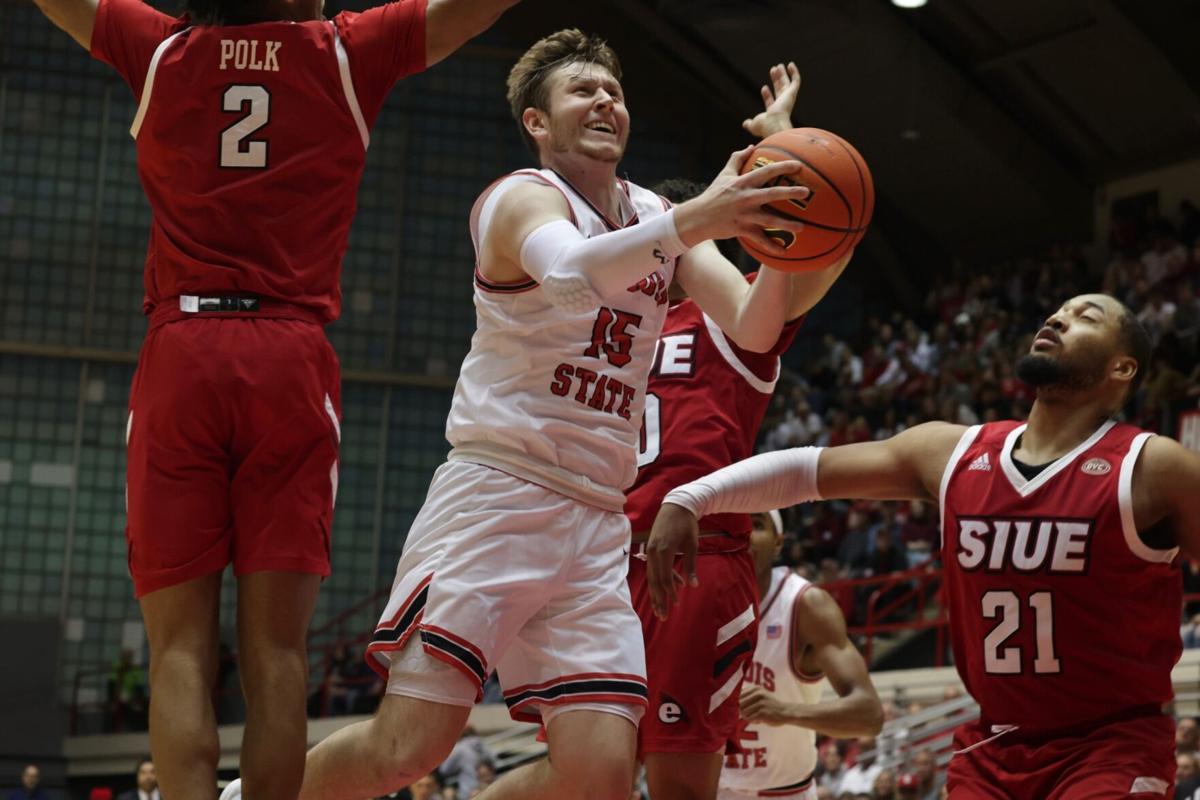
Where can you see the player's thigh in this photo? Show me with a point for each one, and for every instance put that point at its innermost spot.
(584, 644)
(593, 746)
(178, 525)
(695, 658)
(285, 446)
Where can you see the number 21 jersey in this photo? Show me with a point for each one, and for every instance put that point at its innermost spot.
(1060, 615)
(251, 140)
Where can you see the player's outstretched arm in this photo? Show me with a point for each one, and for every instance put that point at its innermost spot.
(819, 623)
(1166, 487)
(75, 17)
(908, 466)
(449, 24)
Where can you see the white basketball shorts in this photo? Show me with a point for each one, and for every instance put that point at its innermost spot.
(500, 572)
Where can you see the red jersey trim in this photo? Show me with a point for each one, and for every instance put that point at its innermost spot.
(964, 443)
(722, 344)
(794, 643)
(343, 62)
(148, 86)
(522, 284)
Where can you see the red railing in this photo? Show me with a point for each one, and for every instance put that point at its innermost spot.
(911, 592)
(916, 591)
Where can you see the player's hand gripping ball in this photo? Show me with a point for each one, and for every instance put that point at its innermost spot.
(836, 212)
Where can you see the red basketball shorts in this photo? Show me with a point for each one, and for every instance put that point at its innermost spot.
(232, 450)
(694, 660)
(1130, 759)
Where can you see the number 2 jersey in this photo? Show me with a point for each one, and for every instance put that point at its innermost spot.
(251, 141)
(553, 396)
(1060, 615)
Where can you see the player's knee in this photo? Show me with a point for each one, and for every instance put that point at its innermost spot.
(401, 756)
(265, 667)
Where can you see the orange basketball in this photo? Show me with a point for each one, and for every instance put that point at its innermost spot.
(835, 214)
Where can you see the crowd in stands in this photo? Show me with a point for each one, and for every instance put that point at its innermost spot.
(954, 361)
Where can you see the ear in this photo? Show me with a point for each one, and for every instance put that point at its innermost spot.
(535, 122)
(1124, 368)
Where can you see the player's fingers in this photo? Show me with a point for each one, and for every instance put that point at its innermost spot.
(689, 562)
(794, 73)
(770, 194)
(764, 175)
(766, 243)
(654, 580)
(767, 95)
(775, 222)
(780, 77)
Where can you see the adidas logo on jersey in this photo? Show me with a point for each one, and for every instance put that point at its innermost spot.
(982, 464)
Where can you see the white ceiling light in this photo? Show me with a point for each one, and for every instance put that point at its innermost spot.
(908, 3)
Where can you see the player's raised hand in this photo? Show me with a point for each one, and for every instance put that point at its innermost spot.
(733, 204)
(676, 530)
(779, 98)
(758, 706)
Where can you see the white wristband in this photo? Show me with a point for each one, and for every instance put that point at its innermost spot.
(568, 264)
(760, 483)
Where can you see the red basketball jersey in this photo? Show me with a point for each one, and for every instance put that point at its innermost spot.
(704, 404)
(251, 140)
(1059, 614)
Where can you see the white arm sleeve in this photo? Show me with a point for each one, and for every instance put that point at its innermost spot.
(575, 271)
(758, 484)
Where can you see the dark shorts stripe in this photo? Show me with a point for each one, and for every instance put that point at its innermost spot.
(452, 648)
(593, 686)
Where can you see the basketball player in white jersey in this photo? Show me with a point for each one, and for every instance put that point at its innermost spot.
(516, 560)
(801, 641)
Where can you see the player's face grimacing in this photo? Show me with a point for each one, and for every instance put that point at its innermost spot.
(587, 112)
(1077, 347)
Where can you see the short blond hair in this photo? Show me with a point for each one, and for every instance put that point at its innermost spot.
(527, 80)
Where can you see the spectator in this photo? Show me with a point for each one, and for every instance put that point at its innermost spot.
(929, 781)
(29, 789)
(860, 778)
(908, 787)
(831, 771)
(427, 788)
(1187, 737)
(147, 783)
(884, 786)
(127, 693)
(1185, 767)
(485, 775)
(462, 765)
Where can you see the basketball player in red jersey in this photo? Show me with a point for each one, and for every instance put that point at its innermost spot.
(251, 133)
(1061, 537)
(704, 404)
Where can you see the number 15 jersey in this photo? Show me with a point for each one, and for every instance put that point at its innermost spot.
(251, 141)
(1059, 614)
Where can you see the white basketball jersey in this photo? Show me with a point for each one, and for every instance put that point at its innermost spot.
(776, 756)
(552, 396)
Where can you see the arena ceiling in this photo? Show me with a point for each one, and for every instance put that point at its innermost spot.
(988, 123)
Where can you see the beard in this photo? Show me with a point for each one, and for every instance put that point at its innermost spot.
(1070, 373)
